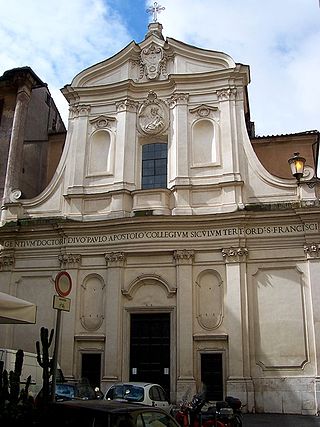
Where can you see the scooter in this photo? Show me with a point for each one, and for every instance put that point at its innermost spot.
(189, 414)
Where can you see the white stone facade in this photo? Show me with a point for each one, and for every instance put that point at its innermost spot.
(230, 252)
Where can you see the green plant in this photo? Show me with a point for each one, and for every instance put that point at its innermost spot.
(16, 407)
(45, 362)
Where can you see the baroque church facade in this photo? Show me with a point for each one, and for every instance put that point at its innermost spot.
(191, 265)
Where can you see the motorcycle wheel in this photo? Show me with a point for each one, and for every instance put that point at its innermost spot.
(213, 423)
(237, 422)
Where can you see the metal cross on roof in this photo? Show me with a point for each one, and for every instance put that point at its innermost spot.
(155, 9)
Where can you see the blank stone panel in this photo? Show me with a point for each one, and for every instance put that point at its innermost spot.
(280, 328)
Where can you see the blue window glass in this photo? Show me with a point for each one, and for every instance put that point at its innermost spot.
(154, 166)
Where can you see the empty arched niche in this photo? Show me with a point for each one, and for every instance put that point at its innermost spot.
(100, 153)
(204, 147)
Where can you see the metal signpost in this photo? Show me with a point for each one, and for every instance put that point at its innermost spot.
(63, 285)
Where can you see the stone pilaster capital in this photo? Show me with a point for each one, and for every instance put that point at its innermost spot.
(6, 262)
(232, 254)
(79, 110)
(68, 261)
(183, 256)
(227, 94)
(312, 250)
(127, 105)
(178, 99)
(115, 259)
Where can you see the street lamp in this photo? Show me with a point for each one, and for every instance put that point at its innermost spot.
(297, 166)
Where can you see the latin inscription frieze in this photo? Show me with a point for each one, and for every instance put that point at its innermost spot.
(157, 235)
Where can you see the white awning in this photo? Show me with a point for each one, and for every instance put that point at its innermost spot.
(16, 310)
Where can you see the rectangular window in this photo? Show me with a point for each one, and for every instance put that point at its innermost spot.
(154, 166)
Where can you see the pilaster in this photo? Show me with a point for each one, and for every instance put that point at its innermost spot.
(81, 113)
(179, 160)
(226, 97)
(185, 374)
(312, 253)
(71, 263)
(238, 381)
(125, 143)
(115, 262)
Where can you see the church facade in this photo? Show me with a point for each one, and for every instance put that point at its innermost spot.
(191, 265)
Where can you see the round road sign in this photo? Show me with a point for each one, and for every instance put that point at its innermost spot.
(63, 283)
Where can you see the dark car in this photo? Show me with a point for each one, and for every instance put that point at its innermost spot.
(102, 413)
(70, 391)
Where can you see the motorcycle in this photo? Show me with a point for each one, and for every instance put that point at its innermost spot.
(223, 414)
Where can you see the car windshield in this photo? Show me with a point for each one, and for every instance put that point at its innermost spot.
(72, 391)
(129, 392)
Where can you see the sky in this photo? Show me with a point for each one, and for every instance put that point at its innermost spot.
(278, 39)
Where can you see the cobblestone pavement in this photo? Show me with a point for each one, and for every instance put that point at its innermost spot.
(278, 420)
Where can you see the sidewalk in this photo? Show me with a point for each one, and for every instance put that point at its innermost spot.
(279, 420)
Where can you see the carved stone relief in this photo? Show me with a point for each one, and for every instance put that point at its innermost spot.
(103, 122)
(152, 60)
(153, 116)
(204, 111)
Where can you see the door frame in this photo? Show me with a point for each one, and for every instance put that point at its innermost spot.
(221, 351)
(126, 336)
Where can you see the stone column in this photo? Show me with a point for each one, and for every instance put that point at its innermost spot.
(113, 353)
(185, 375)
(69, 262)
(238, 381)
(24, 82)
(312, 251)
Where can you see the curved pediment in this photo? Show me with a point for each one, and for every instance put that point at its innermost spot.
(152, 59)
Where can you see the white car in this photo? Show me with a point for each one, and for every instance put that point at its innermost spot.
(139, 392)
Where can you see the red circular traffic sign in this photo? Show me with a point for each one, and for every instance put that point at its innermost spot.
(63, 283)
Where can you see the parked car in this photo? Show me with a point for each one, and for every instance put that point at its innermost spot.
(145, 393)
(71, 391)
(102, 413)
